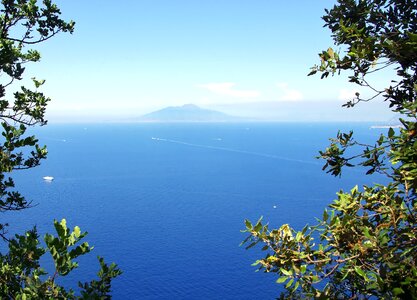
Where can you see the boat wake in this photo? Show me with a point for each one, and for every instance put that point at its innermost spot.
(272, 156)
(55, 140)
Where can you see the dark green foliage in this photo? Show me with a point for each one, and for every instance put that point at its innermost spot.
(24, 23)
(365, 245)
(100, 289)
(22, 276)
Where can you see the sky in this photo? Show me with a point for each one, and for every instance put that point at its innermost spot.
(248, 58)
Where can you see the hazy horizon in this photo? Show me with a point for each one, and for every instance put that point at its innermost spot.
(261, 112)
(240, 57)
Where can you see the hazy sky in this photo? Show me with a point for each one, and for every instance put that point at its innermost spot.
(130, 57)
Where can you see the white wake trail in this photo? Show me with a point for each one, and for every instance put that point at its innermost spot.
(236, 151)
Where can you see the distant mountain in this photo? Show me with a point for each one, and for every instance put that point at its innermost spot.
(187, 113)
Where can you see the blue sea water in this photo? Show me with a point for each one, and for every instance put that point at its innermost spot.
(166, 202)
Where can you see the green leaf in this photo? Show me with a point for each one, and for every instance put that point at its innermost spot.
(251, 245)
(282, 279)
(296, 285)
(397, 291)
(298, 236)
(285, 272)
(360, 271)
(77, 231)
(289, 283)
(257, 227)
(325, 215)
(391, 132)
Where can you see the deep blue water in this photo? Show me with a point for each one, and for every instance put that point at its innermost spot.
(166, 202)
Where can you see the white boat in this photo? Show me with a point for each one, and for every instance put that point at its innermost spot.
(48, 178)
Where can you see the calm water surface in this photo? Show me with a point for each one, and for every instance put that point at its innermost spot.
(167, 201)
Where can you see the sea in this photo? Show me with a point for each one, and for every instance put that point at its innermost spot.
(167, 202)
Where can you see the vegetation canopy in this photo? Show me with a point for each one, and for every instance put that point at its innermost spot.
(25, 23)
(365, 245)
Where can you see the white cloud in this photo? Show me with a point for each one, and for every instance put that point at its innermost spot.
(346, 94)
(289, 94)
(227, 89)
